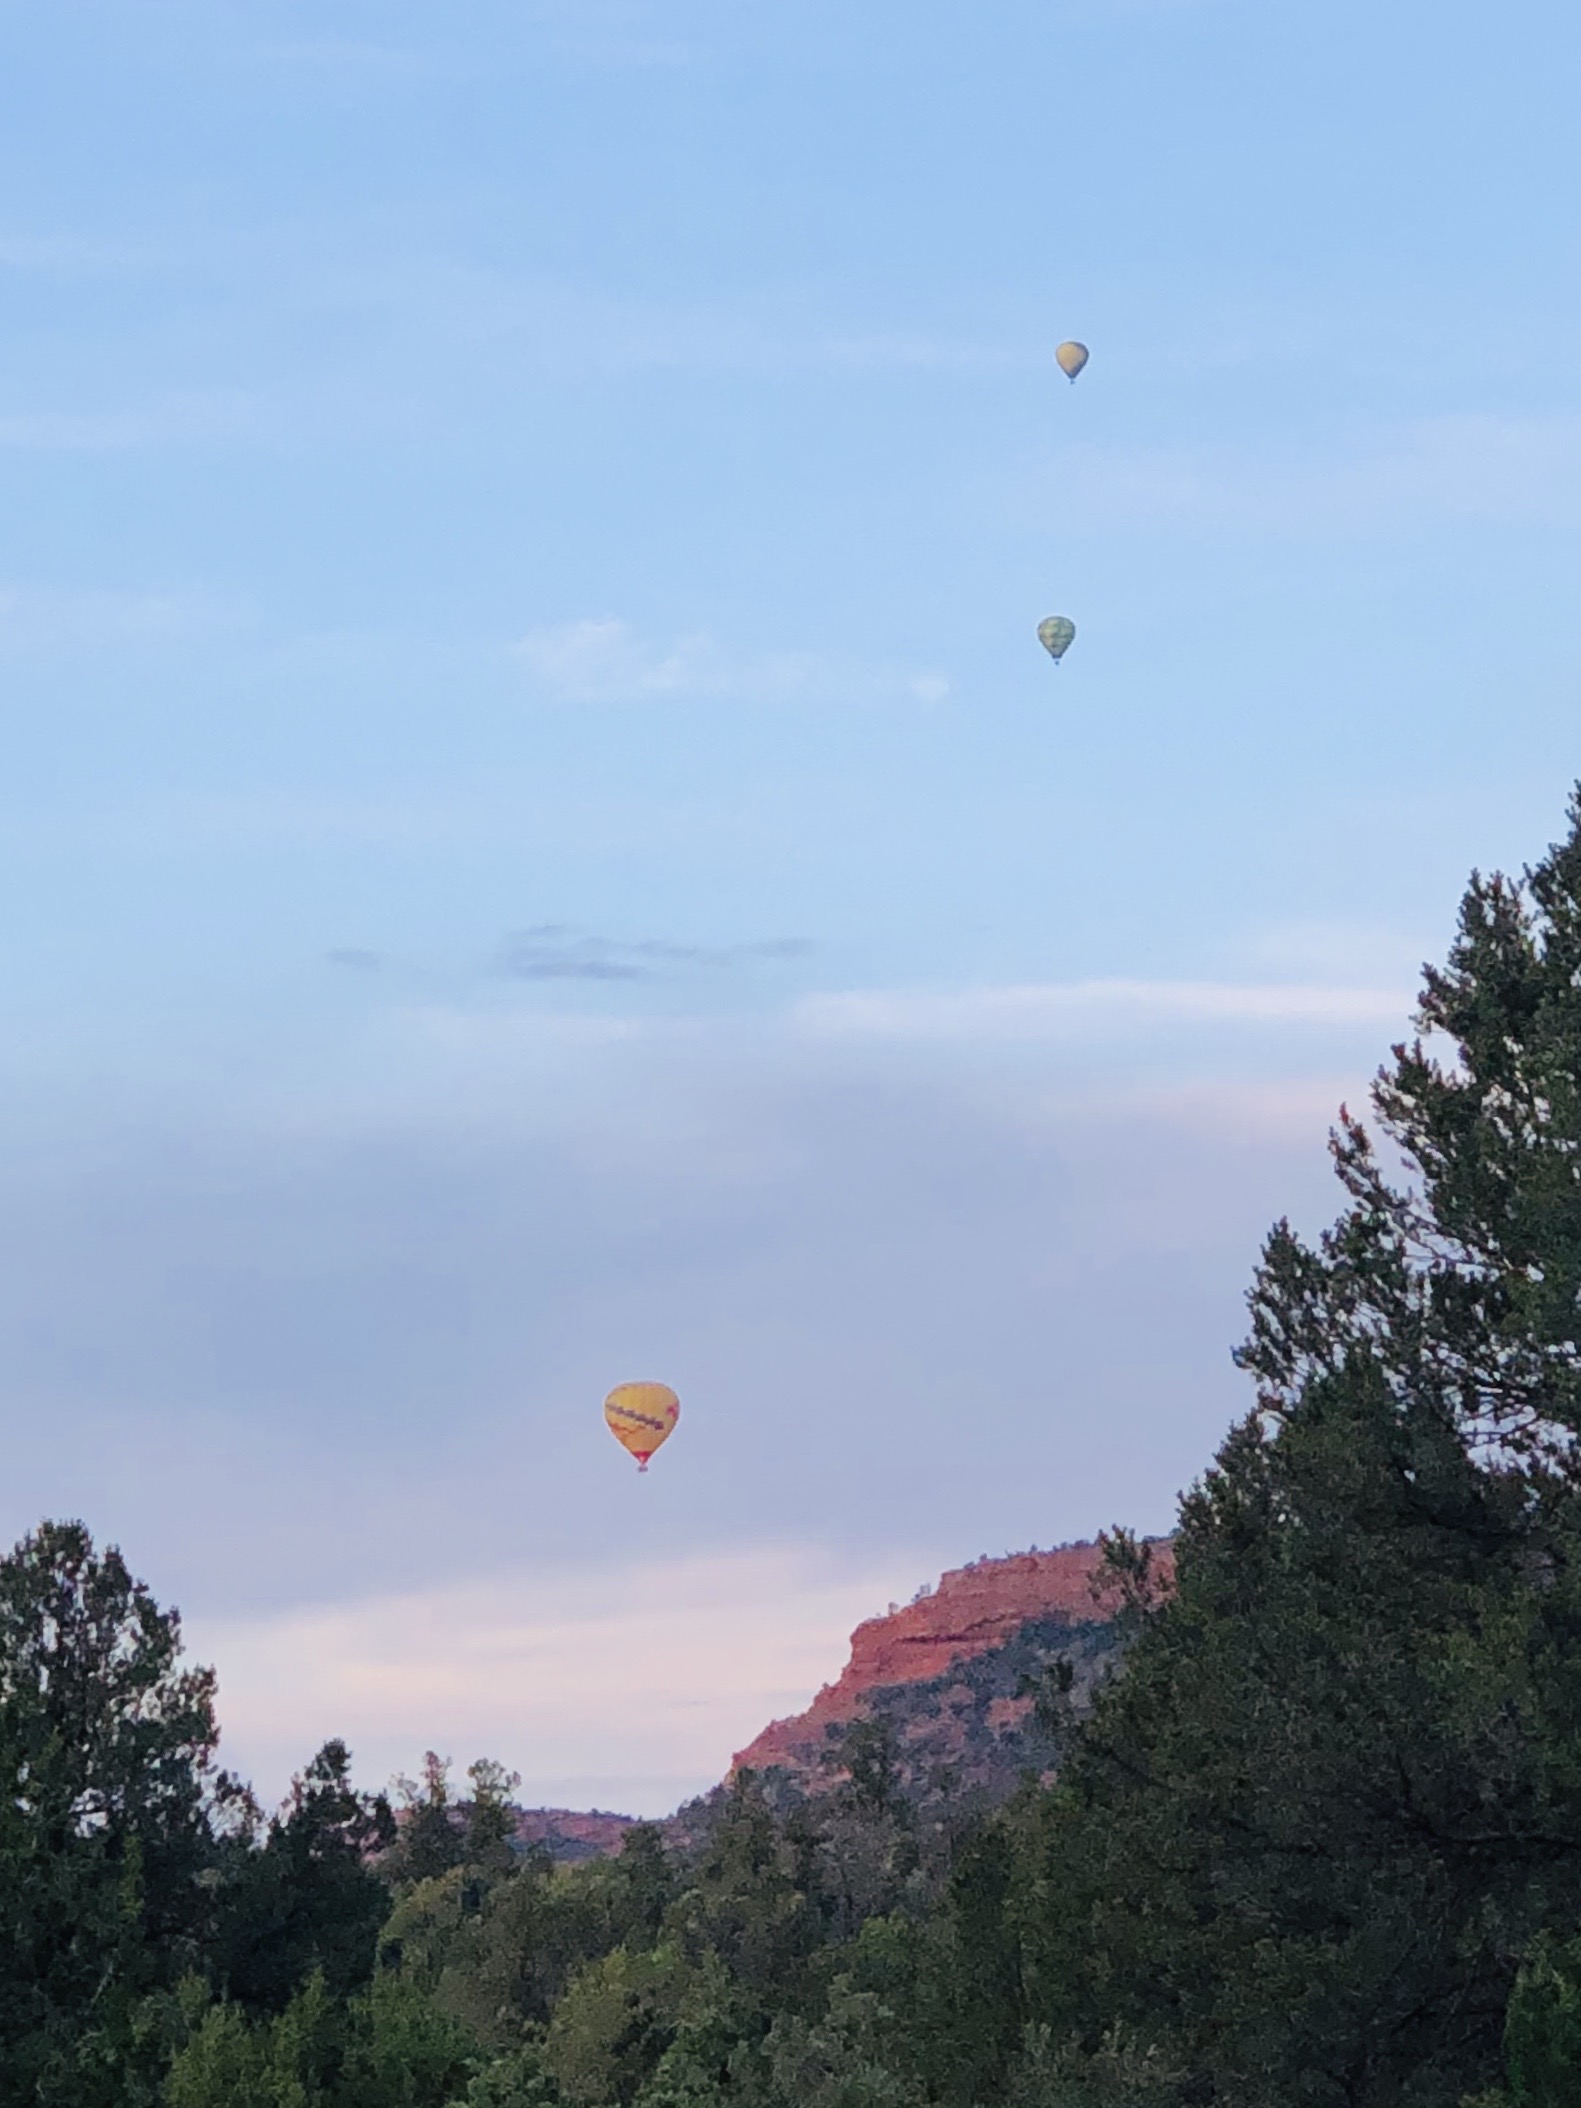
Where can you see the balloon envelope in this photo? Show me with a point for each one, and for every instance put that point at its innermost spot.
(1055, 633)
(1071, 358)
(641, 1416)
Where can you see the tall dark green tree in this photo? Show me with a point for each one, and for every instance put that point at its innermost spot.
(974, 2016)
(432, 1835)
(754, 1899)
(307, 1902)
(107, 1821)
(1309, 1834)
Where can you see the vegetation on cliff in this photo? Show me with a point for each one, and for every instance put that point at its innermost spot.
(1314, 1843)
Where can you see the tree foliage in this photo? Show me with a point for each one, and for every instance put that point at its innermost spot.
(1307, 1838)
(108, 1820)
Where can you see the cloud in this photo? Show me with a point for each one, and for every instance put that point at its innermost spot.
(219, 414)
(632, 1686)
(266, 816)
(330, 1347)
(1321, 948)
(71, 256)
(358, 54)
(1049, 1010)
(357, 960)
(1460, 467)
(554, 951)
(613, 33)
(31, 617)
(564, 326)
(605, 661)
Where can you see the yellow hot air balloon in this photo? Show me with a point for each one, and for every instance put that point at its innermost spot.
(1071, 358)
(641, 1416)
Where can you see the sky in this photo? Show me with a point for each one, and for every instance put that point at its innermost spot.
(541, 848)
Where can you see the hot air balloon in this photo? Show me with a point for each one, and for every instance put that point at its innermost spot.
(641, 1416)
(1071, 358)
(1055, 633)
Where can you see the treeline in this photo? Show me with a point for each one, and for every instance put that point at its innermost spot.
(1317, 1844)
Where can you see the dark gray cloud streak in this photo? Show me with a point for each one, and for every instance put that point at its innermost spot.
(557, 951)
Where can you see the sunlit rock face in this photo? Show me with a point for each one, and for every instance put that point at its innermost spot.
(1033, 1597)
(948, 1674)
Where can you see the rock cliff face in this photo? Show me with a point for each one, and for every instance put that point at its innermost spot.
(947, 1678)
(975, 1610)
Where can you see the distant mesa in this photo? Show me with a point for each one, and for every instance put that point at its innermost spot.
(974, 1611)
(569, 1835)
(947, 1675)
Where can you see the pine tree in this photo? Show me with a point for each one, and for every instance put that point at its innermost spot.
(106, 1820)
(1310, 1833)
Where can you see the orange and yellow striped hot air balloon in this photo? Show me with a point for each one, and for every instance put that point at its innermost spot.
(641, 1416)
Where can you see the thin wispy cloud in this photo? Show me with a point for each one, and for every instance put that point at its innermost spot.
(1047, 1010)
(1334, 950)
(614, 33)
(554, 951)
(284, 817)
(71, 256)
(576, 329)
(34, 617)
(216, 414)
(1446, 468)
(605, 660)
(358, 54)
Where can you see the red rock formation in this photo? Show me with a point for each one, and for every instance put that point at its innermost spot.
(573, 1833)
(972, 1609)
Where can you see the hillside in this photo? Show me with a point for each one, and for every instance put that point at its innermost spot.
(946, 1668)
(948, 1673)
(570, 1835)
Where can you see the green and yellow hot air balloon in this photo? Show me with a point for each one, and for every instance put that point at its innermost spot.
(641, 1416)
(1055, 634)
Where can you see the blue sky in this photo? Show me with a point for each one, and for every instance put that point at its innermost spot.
(542, 847)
